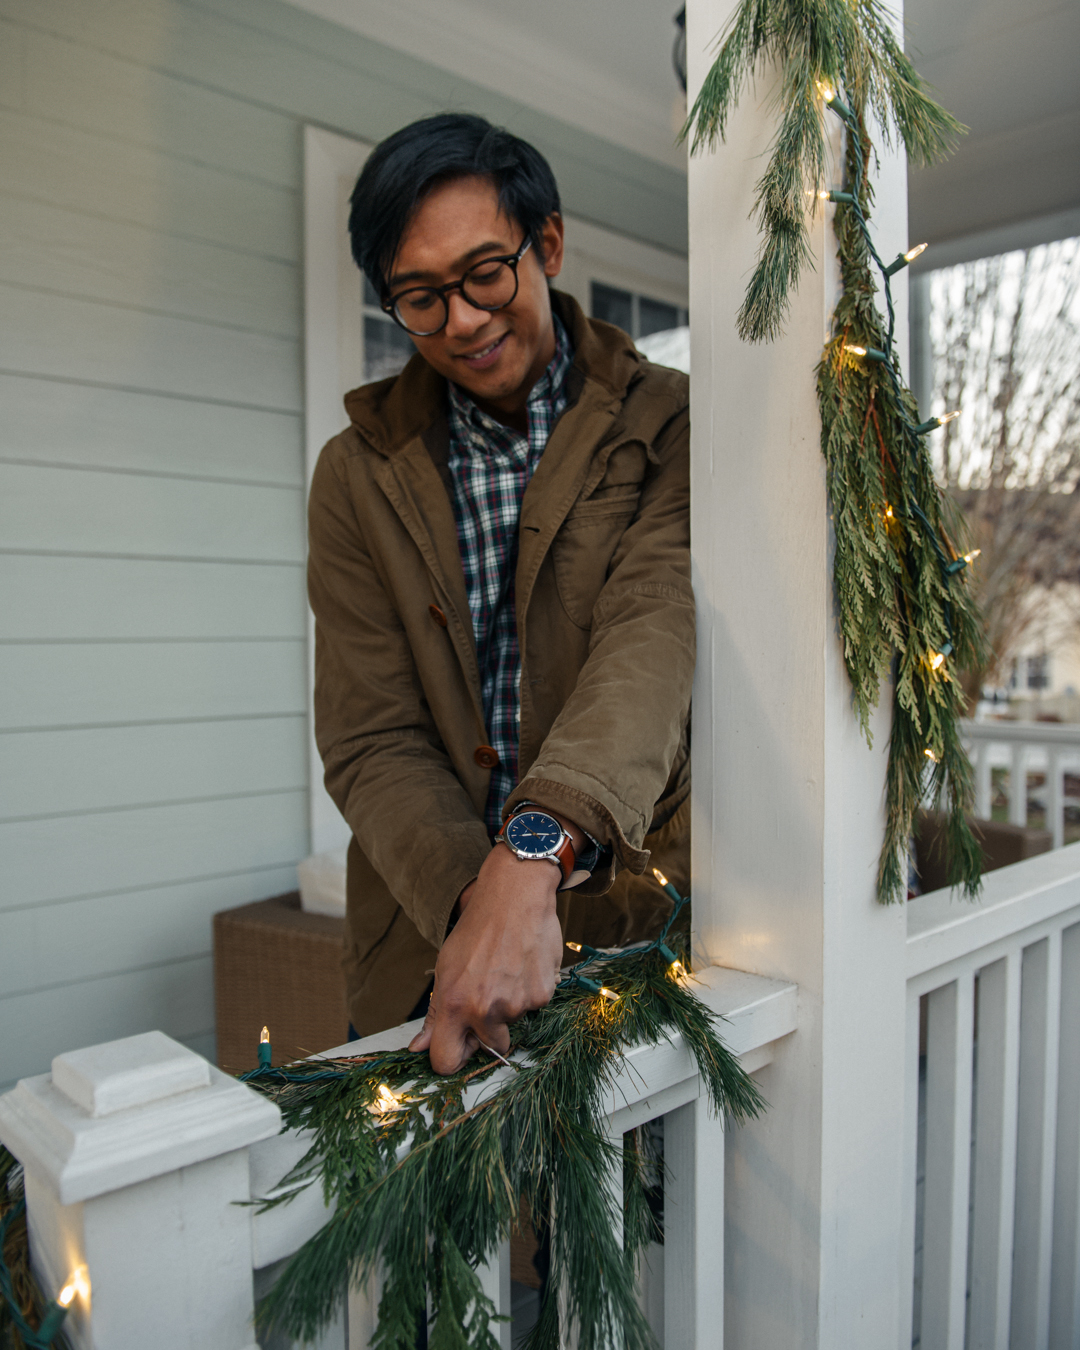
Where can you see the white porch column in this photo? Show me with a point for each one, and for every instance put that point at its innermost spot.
(136, 1159)
(788, 799)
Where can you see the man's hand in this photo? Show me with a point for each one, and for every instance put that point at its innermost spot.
(501, 959)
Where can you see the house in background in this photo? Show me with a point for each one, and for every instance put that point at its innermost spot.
(157, 413)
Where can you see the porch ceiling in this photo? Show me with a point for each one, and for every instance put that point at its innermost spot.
(1010, 71)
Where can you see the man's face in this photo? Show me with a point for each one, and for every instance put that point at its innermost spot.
(496, 356)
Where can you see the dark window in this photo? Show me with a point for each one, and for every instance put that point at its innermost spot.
(1038, 672)
(613, 306)
(654, 316)
(386, 348)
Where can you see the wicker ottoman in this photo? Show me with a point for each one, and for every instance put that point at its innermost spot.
(277, 966)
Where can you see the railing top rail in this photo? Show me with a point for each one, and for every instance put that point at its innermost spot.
(942, 926)
(1029, 733)
(757, 1011)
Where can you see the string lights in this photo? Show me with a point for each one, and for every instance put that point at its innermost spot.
(55, 1311)
(589, 955)
(950, 566)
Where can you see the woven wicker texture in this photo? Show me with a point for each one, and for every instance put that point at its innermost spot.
(276, 966)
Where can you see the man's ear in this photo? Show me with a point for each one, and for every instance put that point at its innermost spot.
(551, 237)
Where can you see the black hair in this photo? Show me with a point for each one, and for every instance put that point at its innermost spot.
(401, 170)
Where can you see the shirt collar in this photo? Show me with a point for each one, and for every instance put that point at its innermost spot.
(550, 388)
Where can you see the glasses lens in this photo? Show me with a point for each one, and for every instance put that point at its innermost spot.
(420, 311)
(490, 285)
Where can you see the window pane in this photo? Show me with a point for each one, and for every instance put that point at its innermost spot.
(656, 316)
(612, 305)
(386, 348)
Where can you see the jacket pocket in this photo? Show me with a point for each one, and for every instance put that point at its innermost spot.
(583, 548)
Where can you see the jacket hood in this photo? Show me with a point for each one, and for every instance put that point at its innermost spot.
(391, 412)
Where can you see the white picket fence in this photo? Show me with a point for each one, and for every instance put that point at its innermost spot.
(1047, 748)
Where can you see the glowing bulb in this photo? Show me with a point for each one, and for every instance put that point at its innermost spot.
(889, 513)
(574, 946)
(855, 351)
(264, 1036)
(970, 557)
(948, 417)
(609, 994)
(77, 1284)
(677, 969)
(930, 755)
(913, 253)
(384, 1101)
(824, 194)
(660, 876)
(937, 660)
(825, 89)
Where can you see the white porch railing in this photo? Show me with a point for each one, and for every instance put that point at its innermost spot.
(992, 1146)
(137, 1154)
(1049, 748)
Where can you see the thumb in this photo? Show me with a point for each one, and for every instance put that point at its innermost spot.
(422, 1039)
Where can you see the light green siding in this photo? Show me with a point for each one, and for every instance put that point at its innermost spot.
(152, 659)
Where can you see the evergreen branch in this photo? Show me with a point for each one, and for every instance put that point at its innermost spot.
(848, 43)
(434, 1214)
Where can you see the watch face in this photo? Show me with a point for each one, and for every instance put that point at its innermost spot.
(534, 833)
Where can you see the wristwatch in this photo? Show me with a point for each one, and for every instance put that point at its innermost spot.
(532, 833)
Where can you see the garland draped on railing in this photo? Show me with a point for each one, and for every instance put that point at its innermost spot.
(428, 1185)
(905, 610)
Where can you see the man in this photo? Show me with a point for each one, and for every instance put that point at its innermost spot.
(504, 621)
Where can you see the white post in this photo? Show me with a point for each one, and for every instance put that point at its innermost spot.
(136, 1158)
(788, 802)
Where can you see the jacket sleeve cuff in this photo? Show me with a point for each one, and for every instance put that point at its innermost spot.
(593, 816)
(439, 882)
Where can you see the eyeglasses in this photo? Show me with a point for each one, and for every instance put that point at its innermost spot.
(490, 284)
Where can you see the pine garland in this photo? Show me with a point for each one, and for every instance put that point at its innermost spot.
(22, 1306)
(905, 609)
(427, 1182)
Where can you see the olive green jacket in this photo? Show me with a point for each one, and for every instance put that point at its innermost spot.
(605, 617)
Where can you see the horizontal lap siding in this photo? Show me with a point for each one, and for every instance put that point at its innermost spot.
(153, 677)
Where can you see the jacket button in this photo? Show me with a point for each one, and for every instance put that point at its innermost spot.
(437, 614)
(486, 757)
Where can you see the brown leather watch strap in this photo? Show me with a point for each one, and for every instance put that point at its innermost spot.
(566, 856)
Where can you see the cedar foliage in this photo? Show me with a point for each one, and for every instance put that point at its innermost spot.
(430, 1189)
(900, 584)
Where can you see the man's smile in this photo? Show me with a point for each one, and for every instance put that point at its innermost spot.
(484, 356)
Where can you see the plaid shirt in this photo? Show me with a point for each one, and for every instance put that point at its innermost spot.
(491, 465)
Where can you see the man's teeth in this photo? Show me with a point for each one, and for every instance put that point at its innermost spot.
(475, 356)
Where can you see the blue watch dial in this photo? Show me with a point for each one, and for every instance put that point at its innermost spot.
(534, 833)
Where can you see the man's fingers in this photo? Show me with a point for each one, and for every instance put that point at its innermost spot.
(422, 1039)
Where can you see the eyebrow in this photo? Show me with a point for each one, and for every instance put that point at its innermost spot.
(492, 246)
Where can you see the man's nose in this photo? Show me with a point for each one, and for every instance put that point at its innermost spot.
(464, 319)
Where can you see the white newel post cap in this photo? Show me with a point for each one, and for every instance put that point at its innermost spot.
(124, 1111)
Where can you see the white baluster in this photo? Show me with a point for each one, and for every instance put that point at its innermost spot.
(993, 1191)
(948, 1155)
(1018, 785)
(495, 1278)
(983, 795)
(1040, 1013)
(1065, 1274)
(1055, 797)
(693, 1228)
